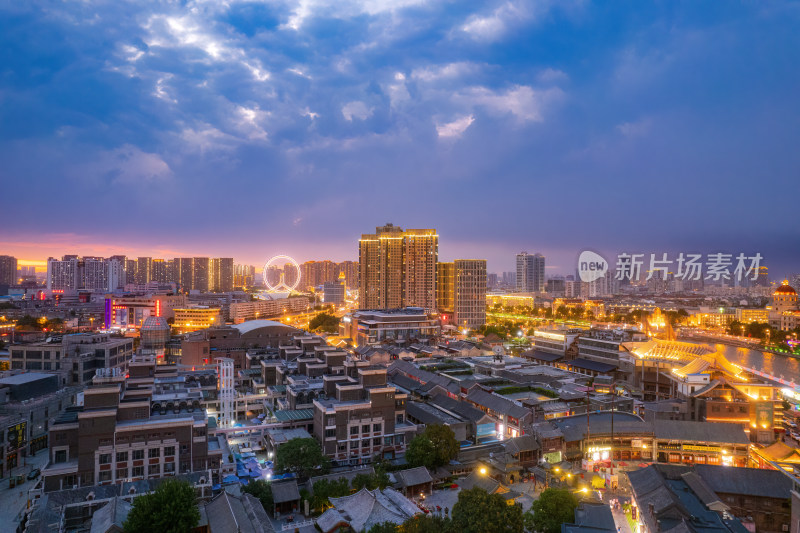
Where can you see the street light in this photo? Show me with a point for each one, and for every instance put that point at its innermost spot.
(483, 470)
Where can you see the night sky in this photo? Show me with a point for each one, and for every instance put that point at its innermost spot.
(250, 129)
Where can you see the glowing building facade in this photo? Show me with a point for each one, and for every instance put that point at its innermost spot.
(397, 268)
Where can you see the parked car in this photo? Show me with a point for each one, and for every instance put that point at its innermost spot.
(33, 474)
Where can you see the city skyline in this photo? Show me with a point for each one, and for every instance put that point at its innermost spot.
(551, 128)
(569, 265)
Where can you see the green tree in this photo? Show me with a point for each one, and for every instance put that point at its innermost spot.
(302, 456)
(423, 523)
(384, 527)
(263, 491)
(324, 322)
(477, 511)
(421, 452)
(444, 443)
(171, 508)
(437, 446)
(553, 508)
(28, 321)
(325, 489)
(378, 480)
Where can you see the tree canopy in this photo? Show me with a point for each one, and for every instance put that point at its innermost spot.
(553, 508)
(171, 508)
(325, 489)
(422, 523)
(263, 491)
(384, 527)
(325, 322)
(378, 480)
(302, 456)
(437, 446)
(477, 511)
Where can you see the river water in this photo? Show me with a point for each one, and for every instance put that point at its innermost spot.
(778, 365)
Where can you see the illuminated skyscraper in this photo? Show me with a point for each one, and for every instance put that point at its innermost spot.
(143, 270)
(63, 275)
(398, 268)
(763, 277)
(221, 274)
(120, 271)
(158, 271)
(530, 272)
(444, 286)
(200, 277)
(185, 271)
(469, 295)
(95, 274)
(350, 271)
(8, 270)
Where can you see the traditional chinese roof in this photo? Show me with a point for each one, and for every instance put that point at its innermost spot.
(366, 508)
(285, 492)
(112, 515)
(780, 452)
(413, 477)
(245, 515)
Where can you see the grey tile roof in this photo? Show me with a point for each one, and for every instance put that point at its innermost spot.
(405, 382)
(746, 481)
(413, 477)
(428, 414)
(226, 513)
(285, 491)
(476, 479)
(703, 491)
(591, 517)
(718, 432)
(675, 506)
(497, 403)
(113, 514)
(574, 427)
(542, 356)
(423, 376)
(366, 508)
(595, 366)
(525, 443)
(462, 409)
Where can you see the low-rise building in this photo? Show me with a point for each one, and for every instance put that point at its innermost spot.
(195, 318)
(125, 432)
(28, 403)
(361, 416)
(664, 500)
(203, 347)
(401, 326)
(74, 358)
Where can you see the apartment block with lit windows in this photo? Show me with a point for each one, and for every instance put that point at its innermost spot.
(397, 268)
(469, 294)
(362, 417)
(124, 432)
(195, 318)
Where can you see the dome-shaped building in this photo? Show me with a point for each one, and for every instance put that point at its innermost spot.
(155, 333)
(784, 313)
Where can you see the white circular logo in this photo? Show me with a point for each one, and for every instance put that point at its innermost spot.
(591, 266)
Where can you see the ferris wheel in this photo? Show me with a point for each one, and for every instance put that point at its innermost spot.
(281, 274)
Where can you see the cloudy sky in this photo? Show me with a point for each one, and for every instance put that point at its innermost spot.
(252, 128)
